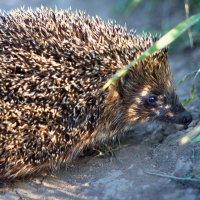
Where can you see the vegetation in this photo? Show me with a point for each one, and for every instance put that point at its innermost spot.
(164, 41)
(190, 7)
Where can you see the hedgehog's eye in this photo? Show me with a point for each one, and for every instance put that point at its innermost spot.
(152, 99)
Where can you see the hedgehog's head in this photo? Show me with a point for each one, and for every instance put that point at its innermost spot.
(147, 92)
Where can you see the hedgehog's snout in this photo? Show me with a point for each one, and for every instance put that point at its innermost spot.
(185, 118)
(182, 117)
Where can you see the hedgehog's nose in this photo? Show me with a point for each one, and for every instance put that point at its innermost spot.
(186, 118)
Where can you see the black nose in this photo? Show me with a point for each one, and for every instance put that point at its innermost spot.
(186, 118)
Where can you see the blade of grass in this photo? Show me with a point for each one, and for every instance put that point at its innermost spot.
(196, 139)
(174, 177)
(192, 134)
(193, 157)
(187, 11)
(191, 96)
(187, 76)
(164, 41)
(197, 73)
(192, 92)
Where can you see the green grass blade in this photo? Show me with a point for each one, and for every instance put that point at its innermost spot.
(188, 76)
(195, 139)
(191, 96)
(192, 134)
(175, 177)
(164, 41)
(193, 157)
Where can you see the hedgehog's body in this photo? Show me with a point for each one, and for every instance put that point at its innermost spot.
(53, 66)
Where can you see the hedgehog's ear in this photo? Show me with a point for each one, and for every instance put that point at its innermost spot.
(120, 88)
(122, 84)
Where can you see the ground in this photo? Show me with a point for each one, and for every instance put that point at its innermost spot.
(152, 147)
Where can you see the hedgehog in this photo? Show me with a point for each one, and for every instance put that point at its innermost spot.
(54, 64)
